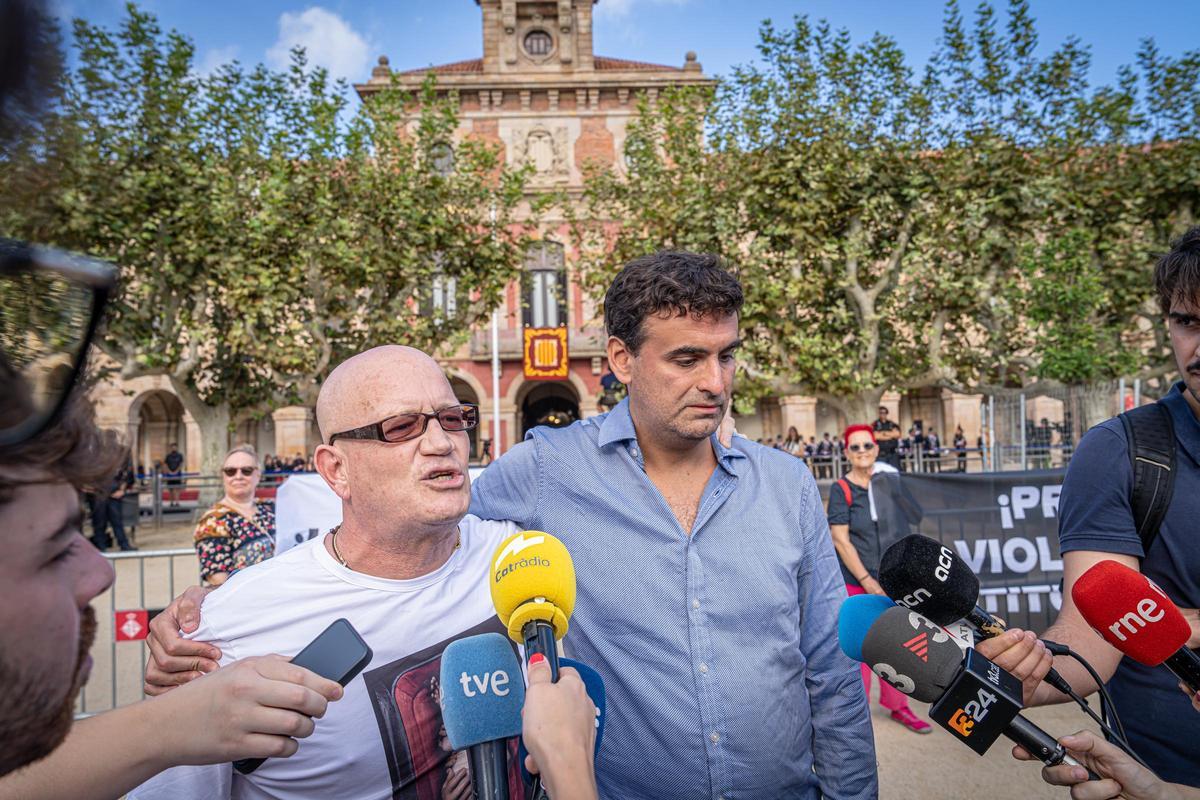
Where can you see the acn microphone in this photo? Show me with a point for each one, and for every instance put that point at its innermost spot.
(926, 576)
(533, 589)
(1137, 618)
(972, 698)
(483, 692)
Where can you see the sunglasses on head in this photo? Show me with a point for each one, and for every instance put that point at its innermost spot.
(865, 447)
(231, 471)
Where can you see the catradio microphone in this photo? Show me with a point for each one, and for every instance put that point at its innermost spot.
(1137, 618)
(926, 576)
(972, 698)
(482, 695)
(533, 589)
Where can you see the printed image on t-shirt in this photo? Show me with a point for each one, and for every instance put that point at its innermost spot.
(406, 696)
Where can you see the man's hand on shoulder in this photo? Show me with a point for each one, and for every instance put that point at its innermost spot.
(174, 660)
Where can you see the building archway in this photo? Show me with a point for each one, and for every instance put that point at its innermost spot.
(156, 422)
(551, 403)
(465, 394)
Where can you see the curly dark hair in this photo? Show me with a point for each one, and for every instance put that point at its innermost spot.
(1177, 273)
(73, 450)
(671, 281)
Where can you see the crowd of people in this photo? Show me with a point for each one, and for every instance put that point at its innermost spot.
(919, 451)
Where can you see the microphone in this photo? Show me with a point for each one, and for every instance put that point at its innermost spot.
(595, 690)
(533, 590)
(972, 698)
(855, 618)
(482, 695)
(928, 577)
(1137, 618)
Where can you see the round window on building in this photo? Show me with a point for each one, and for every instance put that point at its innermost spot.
(538, 43)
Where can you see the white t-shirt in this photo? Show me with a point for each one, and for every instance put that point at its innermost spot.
(384, 738)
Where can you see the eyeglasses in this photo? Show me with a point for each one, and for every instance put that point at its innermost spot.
(403, 427)
(51, 303)
(231, 471)
(865, 447)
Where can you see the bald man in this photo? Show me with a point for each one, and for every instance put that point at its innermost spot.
(407, 567)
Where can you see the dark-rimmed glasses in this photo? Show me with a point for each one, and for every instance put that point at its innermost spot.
(403, 427)
(231, 471)
(865, 447)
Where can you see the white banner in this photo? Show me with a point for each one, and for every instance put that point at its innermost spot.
(305, 506)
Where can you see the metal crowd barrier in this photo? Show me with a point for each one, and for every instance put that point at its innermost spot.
(146, 581)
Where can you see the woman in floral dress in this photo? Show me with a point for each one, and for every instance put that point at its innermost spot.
(239, 530)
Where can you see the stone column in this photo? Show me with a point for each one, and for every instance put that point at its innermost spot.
(292, 425)
(799, 411)
(890, 401)
(192, 447)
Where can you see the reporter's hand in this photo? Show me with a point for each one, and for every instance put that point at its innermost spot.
(174, 660)
(1120, 775)
(1192, 615)
(253, 708)
(1021, 653)
(559, 731)
(872, 586)
(1195, 696)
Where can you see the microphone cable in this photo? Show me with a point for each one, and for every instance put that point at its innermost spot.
(1114, 733)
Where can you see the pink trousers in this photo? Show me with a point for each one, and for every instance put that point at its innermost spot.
(889, 698)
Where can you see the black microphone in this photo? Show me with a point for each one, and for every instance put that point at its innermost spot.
(972, 698)
(928, 577)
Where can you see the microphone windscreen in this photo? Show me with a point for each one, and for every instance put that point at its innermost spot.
(855, 618)
(928, 577)
(912, 653)
(483, 690)
(1130, 612)
(533, 578)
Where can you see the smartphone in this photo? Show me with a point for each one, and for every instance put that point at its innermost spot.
(338, 654)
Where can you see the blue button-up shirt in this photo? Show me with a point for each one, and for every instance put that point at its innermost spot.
(718, 650)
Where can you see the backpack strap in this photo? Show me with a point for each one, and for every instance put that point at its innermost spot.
(1151, 435)
(845, 490)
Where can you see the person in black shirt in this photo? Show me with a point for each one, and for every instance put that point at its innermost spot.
(887, 434)
(173, 463)
(855, 532)
(106, 510)
(960, 448)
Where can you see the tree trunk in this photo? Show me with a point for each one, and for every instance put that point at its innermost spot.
(214, 423)
(859, 409)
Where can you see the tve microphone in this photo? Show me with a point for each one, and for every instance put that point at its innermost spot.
(928, 577)
(595, 690)
(533, 589)
(1137, 618)
(482, 695)
(971, 697)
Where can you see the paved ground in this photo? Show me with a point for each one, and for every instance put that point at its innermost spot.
(929, 767)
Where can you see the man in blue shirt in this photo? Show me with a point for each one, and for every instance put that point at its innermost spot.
(708, 588)
(1096, 523)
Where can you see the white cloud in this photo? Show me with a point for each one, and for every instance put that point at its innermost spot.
(619, 9)
(328, 40)
(214, 58)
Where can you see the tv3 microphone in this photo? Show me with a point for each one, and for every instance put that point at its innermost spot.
(928, 577)
(972, 698)
(483, 691)
(1137, 618)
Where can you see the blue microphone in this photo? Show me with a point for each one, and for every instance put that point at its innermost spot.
(855, 618)
(483, 691)
(595, 690)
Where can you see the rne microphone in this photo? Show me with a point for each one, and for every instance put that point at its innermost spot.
(533, 590)
(923, 574)
(971, 697)
(483, 691)
(1137, 618)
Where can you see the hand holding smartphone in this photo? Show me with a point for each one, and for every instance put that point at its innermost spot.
(338, 654)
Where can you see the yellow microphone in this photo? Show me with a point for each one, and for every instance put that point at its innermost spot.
(533, 589)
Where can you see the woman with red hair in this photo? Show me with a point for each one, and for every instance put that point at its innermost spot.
(853, 523)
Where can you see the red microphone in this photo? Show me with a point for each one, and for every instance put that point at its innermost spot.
(1137, 618)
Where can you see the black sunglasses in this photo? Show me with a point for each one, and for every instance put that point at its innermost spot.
(231, 471)
(51, 303)
(403, 427)
(865, 447)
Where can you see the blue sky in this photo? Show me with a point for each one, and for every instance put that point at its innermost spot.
(347, 36)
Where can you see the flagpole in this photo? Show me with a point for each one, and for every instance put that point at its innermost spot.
(495, 364)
